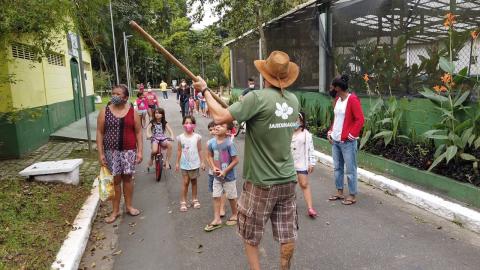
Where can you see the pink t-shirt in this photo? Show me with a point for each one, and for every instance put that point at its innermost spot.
(141, 104)
(151, 98)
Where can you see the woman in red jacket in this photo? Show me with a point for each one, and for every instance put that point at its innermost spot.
(343, 134)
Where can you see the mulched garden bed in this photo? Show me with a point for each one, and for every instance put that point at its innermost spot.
(421, 156)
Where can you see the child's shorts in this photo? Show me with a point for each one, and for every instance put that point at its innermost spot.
(192, 174)
(141, 112)
(229, 187)
(160, 140)
(210, 183)
(202, 104)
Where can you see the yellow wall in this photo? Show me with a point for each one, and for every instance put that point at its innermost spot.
(40, 84)
(5, 95)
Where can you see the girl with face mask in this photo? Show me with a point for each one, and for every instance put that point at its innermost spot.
(120, 146)
(189, 161)
(304, 160)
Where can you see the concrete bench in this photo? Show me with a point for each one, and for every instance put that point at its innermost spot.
(62, 171)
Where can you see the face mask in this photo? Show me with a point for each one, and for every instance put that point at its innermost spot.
(116, 100)
(149, 90)
(189, 127)
(333, 93)
(297, 126)
(251, 86)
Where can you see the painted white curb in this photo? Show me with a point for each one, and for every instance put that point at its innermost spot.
(466, 217)
(71, 252)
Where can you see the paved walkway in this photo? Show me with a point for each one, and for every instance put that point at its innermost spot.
(78, 129)
(379, 232)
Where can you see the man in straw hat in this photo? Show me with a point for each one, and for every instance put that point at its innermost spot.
(269, 188)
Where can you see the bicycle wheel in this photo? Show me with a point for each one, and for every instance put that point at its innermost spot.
(158, 167)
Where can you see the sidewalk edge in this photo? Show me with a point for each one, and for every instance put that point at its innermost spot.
(73, 247)
(463, 216)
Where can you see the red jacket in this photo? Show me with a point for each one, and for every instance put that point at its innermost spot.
(353, 123)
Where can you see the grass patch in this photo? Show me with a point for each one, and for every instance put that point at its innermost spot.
(36, 217)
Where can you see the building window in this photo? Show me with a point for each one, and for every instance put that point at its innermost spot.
(56, 59)
(23, 51)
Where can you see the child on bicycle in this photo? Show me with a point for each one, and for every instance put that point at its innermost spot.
(142, 107)
(223, 157)
(304, 160)
(156, 133)
(189, 160)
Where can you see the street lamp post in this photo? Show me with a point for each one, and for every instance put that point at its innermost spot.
(127, 64)
(114, 46)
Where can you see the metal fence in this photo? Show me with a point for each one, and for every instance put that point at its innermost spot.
(397, 43)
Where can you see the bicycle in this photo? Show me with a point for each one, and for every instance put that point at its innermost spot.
(159, 161)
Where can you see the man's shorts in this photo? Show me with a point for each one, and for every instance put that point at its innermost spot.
(258, 204)
(192, 174)
(229, 187)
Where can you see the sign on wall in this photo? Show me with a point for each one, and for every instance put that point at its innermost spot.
(72, 44)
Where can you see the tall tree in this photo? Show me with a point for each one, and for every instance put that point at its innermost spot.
(239, 16)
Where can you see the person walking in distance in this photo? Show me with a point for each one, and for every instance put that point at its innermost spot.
(163, 89)
(268, 169)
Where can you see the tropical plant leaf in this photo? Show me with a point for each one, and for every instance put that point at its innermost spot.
(477, 143)
(365, 138)
(432, 96)
(439, 150)
(437, 160)
(461, 76)
(384, 121)
(468, 157)
(461, 99)
(446, 65)
(451, 152)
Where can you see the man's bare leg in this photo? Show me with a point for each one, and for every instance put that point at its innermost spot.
(286, 255)
(252, 256)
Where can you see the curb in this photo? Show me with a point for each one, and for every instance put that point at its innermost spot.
(71, 252)
(454, 212)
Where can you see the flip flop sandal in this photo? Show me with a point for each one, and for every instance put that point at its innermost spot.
(348, 202)
(212, 227)
(134, 214)
(231, 222)
(111, 221)
(336, 198)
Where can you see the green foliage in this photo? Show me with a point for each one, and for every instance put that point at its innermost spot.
(101, 81)
(233, 98)
(372, 119)
(390, 123)
(225, 62)
(453, 135)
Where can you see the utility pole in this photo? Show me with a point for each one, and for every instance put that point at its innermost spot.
(84, 93)
(127, 64)
(114, 46)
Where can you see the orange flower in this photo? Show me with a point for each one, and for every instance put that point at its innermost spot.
(474, 35)
(450, 20)
(439, 88)
(446, 78)
(365, 77)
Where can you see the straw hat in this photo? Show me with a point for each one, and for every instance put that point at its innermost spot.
(277, 69)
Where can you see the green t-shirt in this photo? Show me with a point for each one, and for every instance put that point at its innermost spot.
(270, 119)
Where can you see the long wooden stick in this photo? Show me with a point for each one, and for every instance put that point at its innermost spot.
(171, 58)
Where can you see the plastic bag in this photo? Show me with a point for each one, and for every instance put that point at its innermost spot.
(105, 184)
